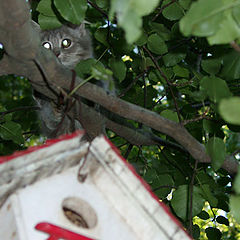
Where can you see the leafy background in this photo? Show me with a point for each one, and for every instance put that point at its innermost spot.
(178, 58)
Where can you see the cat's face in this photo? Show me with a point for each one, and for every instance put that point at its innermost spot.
(70, 45)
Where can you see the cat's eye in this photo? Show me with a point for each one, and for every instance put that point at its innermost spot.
(66, 43)
(47, 45)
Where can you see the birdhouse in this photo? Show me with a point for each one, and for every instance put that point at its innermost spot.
(75, 190)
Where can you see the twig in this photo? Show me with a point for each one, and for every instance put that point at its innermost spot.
(129, 149)
(157, 102)
(98, 8)
(185, 122)
(235, 46)
(131, 84)
(191, 198)
(181, 84)
(199, 105)
(166, 79)
(162, 8)
(145, 159)
(167, 144)
(144, 93)
(172, 163)
(198, 64)
(178, 44)
(122, 145)
(102, 55)
(203, 116)
(2, 114)
(235, 152)
(163, 186)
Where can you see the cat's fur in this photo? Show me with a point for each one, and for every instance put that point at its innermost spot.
(54, 120)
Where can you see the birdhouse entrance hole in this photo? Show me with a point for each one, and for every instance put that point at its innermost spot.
(79, 212)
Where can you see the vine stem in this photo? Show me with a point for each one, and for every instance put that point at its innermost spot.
(79, 85)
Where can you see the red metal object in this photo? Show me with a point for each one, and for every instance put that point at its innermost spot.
(57, 233)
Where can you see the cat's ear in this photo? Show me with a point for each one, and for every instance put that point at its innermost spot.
(36, 26)
(82, 29)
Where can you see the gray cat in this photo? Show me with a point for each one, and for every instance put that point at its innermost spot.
(70, 45)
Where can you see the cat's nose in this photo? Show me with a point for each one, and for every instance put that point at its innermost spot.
(56, 52)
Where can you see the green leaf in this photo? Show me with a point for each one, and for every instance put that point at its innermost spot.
(172, 59)
(216, 150)
(185, 3)
(47, 22)
(230, 110)
(128, 19)
(236, 14)
(211, 66)
(132, 24)
(161, 30)
(156, 44)
(6, 117)
(101, 35)
(173, 11)
(129, 14)
(142, 8)
(228, 31)
(208, 195)
(99, 72)
(222, 220)
(180, 71)
(142, 40)
(156, 76)
(213, 233)
(85, 67)
(204, 178)
(180, 201)
(119, 68)
(216, 88)
(196, 231)
(169, 114)
(72, 10)
(47, 19)
(162, 180)
(212, 19)
(235, 207)
(45, 7)
(203, 215)
(209, 126)
(203, 18)
(150, 175)
(199, 95)
(231, 65)
(102, 3)
(11, 131)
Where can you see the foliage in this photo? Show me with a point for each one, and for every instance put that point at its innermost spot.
(18, 120)
(178, 58)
